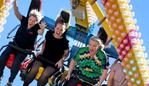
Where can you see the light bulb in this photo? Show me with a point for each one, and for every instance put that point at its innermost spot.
(116, 13)
(119, 39)
(1, 29)
(129, 55)
(127, 48)
(130, 72)
(134, 68)
(124, 70)
(132, 79)
(118, 20)
(110, 11)
(136, 75)
(117, 32)
(124, 52)
(131, 61)
(125, 41)
(123, 34)
(130, 7)
(138, 82)
(114, 6)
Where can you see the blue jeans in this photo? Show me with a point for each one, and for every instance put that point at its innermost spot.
(19, 57)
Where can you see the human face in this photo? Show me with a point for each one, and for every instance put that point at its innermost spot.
(59, 30)
(32, 21)
(93, 47)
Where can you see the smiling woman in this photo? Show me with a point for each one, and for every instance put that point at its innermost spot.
(24, 39)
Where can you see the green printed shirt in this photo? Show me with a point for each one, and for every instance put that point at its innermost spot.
(88, 67)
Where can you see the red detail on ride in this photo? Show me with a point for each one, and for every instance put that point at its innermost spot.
(79, 84)
(104, 2)
(10, 60)
(26, 63)
(122, 49)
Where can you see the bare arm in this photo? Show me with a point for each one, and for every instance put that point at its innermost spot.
(60, 63)
(110, 80)
(16, 11)
(103, 77)
(71, 67)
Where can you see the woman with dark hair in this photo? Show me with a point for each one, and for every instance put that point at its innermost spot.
(54, 51)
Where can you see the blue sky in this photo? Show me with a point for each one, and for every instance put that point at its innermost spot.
(51, 8)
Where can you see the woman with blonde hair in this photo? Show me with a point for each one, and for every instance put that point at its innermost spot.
(88, 66)
(25, 38)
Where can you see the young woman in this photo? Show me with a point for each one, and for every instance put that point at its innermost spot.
(88, 66)
(25, 38)
(55, 49)
(117, 76)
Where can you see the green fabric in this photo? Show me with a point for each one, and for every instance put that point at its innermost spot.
(87, 66)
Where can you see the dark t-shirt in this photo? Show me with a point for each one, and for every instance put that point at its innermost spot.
(25, 38)
(54, 48)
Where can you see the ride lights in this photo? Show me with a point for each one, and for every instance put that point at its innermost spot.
(125, 70)
(119, 39)
(127, 47)
(116, 13)
(121, 46)
(130, 27)
(123, 34)
(114, 6)
(125, 41)
(110, 11)
(130, 7)
(139, 54)
(108, 4)
(112, 30)
(138, 82)
(4, 12)
(145, 55)
(128, 66)
(129, 55)
(132, 79)
(118, 20)
(112, 18)
(137, 27)
(123, 6)
(131, 61)
(1, 29)
(128, 21)
(137, 48)
(130, 73)
(134, 68)
(117, 32)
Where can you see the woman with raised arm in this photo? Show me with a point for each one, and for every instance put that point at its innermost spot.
(25, 38)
